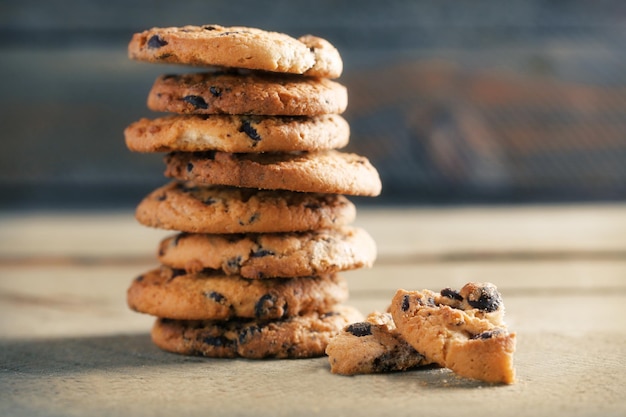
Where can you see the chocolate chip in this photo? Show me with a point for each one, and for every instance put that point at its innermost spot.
(247, 128)
(313, 206)
(405, 303)
(451, 294)
(209, 200)
(360, 329)
(156, 42)
(209, 27)
(196, 101)
(218, 341)
(265, 305)
(189, 166)
(161, 197)
(259, 253)
(215, 296)
(247, 333)
(488, 334)
(139, 278)
(488, 299)
(216, 91)
(233, 264)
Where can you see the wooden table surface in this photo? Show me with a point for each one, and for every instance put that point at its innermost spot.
(70, 346)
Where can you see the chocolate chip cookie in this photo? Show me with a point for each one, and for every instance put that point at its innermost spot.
(187, 207)
(463, 330)
(264, 255)
(372, 346)
(251, 94)
(237, 133)
(211, 295)
(314, 172)
(240, 47)
(303, 336)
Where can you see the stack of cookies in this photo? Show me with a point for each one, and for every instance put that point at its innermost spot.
(257, 195)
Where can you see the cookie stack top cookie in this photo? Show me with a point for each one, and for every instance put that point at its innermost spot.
(237, 47)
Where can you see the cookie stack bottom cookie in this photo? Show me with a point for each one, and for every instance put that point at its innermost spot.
(257, 197)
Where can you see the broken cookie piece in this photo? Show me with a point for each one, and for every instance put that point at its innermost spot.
(463, 331)
(371, 346)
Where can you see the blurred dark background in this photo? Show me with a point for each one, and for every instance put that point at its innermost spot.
(454, 102)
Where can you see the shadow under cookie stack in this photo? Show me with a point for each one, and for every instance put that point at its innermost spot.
(257, 194)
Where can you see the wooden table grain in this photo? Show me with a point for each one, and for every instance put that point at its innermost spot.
(69, 346)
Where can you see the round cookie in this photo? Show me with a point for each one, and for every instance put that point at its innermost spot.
(304, 336)
(216, 209)
(265, 94)
(316, 252)
(372, 346)
(237, 133)
(240, 47)
(463, 331)
(314, 172)
(211, 295)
